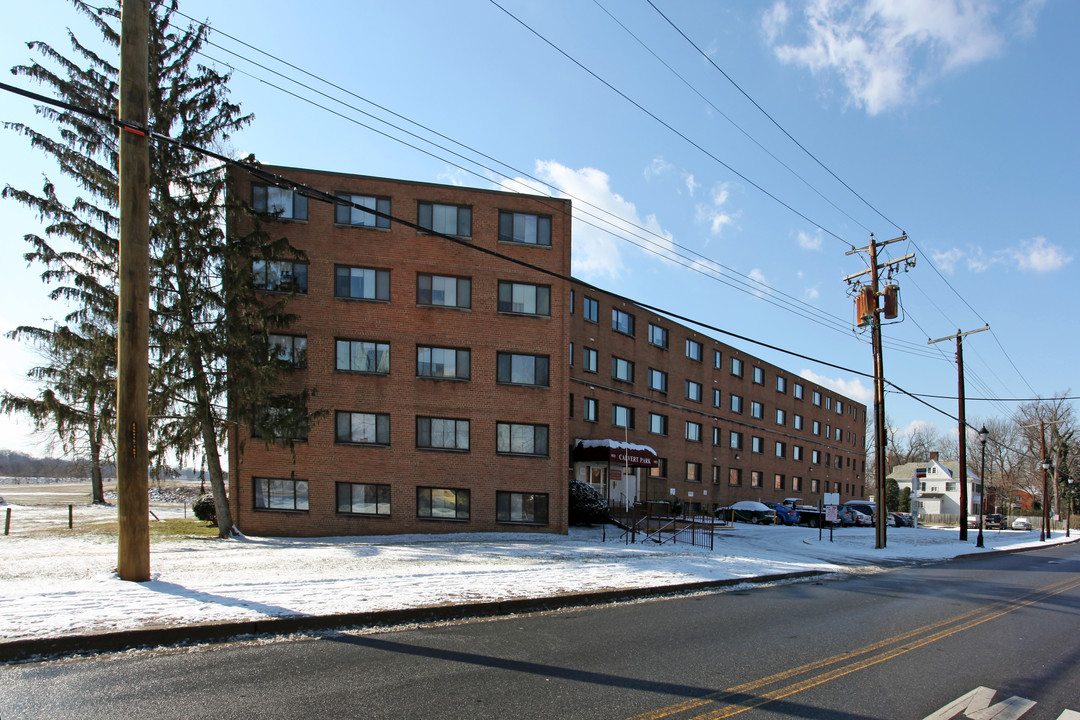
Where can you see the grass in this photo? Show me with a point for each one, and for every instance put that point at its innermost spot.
(170, 529)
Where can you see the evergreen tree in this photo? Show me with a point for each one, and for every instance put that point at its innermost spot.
(204, 315)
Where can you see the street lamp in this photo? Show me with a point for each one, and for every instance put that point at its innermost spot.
(983, 435)
(1045, 532)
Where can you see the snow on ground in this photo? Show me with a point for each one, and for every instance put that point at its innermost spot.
(54, 582)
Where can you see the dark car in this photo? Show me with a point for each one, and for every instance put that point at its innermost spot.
(785, 514)
(901, 519)
(995, 521)
(748, 511)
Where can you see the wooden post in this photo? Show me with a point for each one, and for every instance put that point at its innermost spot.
(71, 517)
(7, 521)
(133, 562)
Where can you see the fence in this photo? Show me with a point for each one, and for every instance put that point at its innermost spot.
(954, 520)
(639, 526)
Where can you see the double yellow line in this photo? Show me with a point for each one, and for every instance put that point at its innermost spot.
(732, 701)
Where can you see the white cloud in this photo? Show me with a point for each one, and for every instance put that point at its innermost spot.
(947, 260)
(1039, 255)
(658, 166)
(713, 213)
(855, 388)
(808, 241)
(758, 277)
(597, 254)
(691, 184)
(812, 293)
(883, 51)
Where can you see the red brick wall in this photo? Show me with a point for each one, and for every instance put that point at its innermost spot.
(322, 318)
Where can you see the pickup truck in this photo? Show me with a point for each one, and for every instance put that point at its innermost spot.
(809, 515)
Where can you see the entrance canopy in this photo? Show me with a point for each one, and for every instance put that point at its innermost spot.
(614, 451)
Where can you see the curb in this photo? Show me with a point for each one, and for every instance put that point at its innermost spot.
(33, 649)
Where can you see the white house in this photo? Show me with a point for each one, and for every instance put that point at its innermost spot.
(938, 486)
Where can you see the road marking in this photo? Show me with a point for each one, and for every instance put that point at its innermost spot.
(741, 698)
(976, 705)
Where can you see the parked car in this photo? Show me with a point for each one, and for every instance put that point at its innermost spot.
(865, 507)
(901, 519)
(851, 516)
(785, 514)
(1021, 524)
(995, 521)
(748, 511)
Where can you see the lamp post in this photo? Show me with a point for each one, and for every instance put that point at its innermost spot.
(1045, 532)
(1069, 507)
(983, 435)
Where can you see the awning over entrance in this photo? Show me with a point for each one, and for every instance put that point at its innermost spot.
(614, 451)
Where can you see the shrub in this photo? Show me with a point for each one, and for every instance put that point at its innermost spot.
(586, 506)
(204, 509)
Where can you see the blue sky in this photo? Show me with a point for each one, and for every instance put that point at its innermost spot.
(951, 120)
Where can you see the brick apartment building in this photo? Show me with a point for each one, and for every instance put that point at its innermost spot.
(442, 368)
(445, 374)
(660, 412)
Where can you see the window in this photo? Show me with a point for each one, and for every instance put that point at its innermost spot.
(346, 214)
(660, 469)
(828, 403)
(279, 201)
(693, 431)
(781, 384)
(658, 336)
(592, 309)
(588, 360)
(736, 367)
(817, 398)
(442, 363)
(516, 507)
(361, 283)
(716, 436)
(759, 376)
(524, 298)
(363, 499)
(622, 369)
(756, 478)
(735, 403)
(590, 410)
(622, 416)
(735, 440)
(815, 457)
(280, 494)
(279, 276)
(757, 445)
(445, 219)
(658, 424)
(781, 417)
(778, 482)
(815, 485)
(828, 431)
(796, 421)
(797, 391)
(442, 433)
(279, 421)
(442, 503)
(838, 462)
(781, 449)
(571, 354)
(525, 228)
(363, 356)
(796, 483)
(716, 471)
(443, 291)
(657, 380)
(693, 472)
(622, 322)
(796, 452)
(757, 410)
(816, 427)
(693, 349)
(716, 398)
(362, 428)
(571, 302)
(717, 359)
(515, 369)
(839, 408)
(288, 349)
(693, 391)
(521, 439)
(734, 476)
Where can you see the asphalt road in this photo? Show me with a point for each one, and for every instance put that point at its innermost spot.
(899, 644)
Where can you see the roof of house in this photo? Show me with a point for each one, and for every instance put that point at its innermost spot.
(907, 470)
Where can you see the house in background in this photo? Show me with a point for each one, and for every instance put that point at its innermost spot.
(937, 484)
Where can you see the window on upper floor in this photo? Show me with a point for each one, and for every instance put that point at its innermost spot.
(591, 309)
(797, 421)
(717, 359)
(797, 391)
(622, 322)
(362, 356)
(361, 283)
(657, 380)
(781, 384)
(716, 397)
(442, 433)
(759, 376)
(443, 291)
(285, 204)
(693, 431)
(590, 410)
(356, 428)
(521, 439)
(588, 360)
(445, 219)
(735, 403)
(622, 416)
(524, 228)
(288, 349)
(279, 276)
(442, 363)
(347, 212)
(524, 298)
(521, 369)
(736, 367)
(658, 336)
(693, 391)
(657, 424)
(622, 369)
(757, 445)
(757, 410)
(781, 417)
(693, 350)
(735, 440)
(693, 472)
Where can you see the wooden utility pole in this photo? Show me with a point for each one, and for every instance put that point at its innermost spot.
(132, 352)
(873, 318)
(959, 337)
